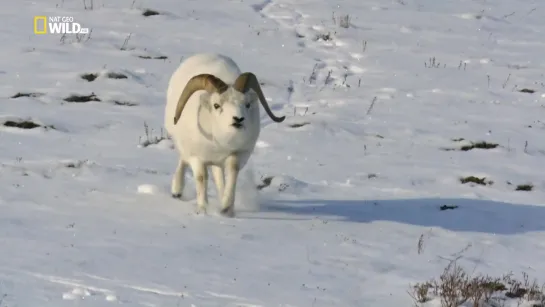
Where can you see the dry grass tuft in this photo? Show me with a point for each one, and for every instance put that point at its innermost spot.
(455, 287)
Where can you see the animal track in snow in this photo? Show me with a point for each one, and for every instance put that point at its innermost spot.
(318, 28)
(289, 18)
(259, 7)
(76, 293)
(79, 290)
(404, 29)
(467, 16)
(339, 43)
(80, 293)
(386, 93)
(356, 56)
(388, 90)
(321, 38)
(356, 69)
(148, 189)
(262, 144)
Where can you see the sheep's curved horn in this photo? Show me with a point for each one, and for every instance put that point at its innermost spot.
(248, 81)
(207, 82)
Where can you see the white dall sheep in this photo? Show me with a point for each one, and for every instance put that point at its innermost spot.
(212, 115)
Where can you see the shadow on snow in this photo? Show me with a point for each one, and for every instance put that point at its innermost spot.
(471, 215)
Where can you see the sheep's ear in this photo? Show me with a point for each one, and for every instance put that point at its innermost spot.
(205, 100)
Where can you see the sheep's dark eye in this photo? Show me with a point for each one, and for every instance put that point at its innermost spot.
(247, 106)
(216, 106)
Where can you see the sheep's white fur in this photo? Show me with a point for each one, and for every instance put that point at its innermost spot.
(204, 135)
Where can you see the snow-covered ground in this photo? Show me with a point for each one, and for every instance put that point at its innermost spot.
(86, 218)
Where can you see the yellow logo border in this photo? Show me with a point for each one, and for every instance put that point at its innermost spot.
(36, 19)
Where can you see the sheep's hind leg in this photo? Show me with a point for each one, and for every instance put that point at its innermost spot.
(228, 200)
(178, 179)
(201, 183)
(219, 181)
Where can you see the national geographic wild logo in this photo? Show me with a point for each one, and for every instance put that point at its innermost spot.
(57, 25)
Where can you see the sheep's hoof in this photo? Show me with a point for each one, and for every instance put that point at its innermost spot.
(177, 195)
(228, 212)
(200, 210)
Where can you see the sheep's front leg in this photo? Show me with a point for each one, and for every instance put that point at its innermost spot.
(219, 181)
(178, 180)
(231, 172)
(201, 182)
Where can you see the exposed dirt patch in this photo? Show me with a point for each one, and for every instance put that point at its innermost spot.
(298, 125)
(111, 75)
(323, 37)
(525, 187)
(81, 98)
(89, 77)
(479, 145)
(527, 90)
(124, 103)
(448, 207)
(147, 57)
(76, 164)
(265, 182)
(27, 95)
(24, 124)
(116, 75)
(150, 12)
(476, 180)
(473, 145)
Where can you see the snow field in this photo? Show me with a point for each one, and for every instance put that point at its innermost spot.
(378, 106)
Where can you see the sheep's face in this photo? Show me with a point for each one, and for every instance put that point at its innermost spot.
(235, 117)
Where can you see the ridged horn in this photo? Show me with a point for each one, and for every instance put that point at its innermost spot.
(248, 81)
(207, 82)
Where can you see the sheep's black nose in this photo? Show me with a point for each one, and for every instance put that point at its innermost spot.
(238, 119)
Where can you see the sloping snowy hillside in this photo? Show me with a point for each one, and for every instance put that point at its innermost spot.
(415, 134)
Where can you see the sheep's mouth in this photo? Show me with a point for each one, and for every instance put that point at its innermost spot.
(237, 125)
